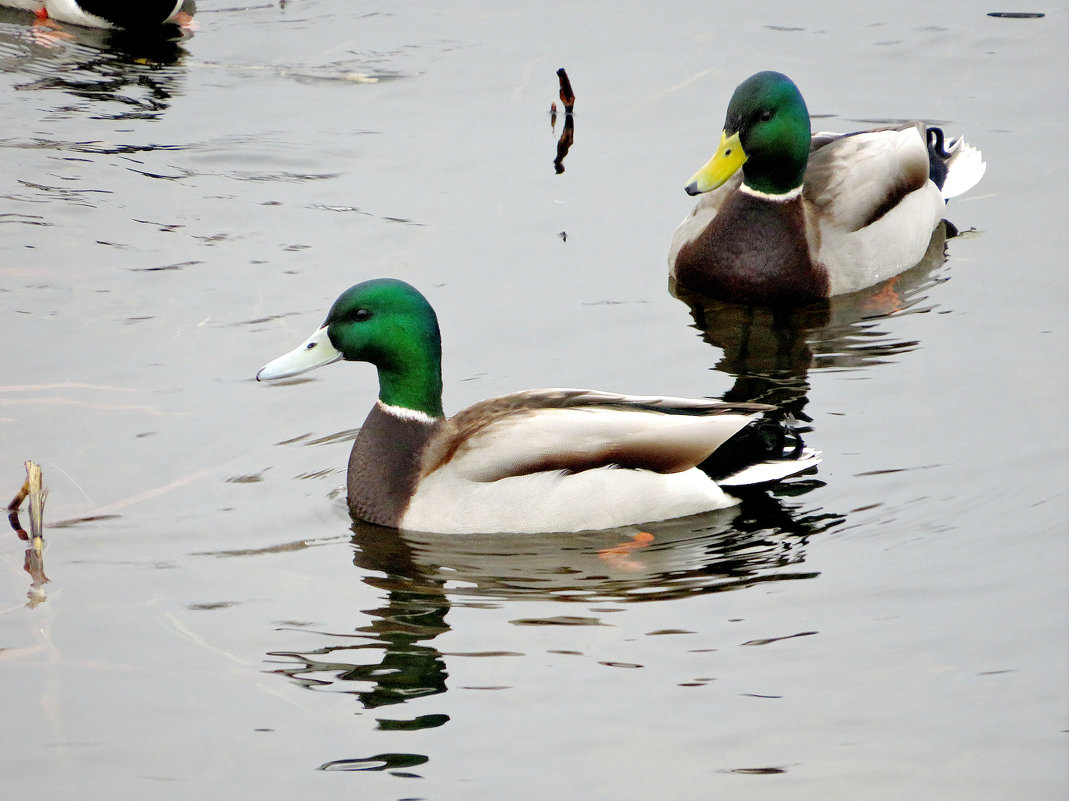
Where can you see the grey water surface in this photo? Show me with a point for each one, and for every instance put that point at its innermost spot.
(173, 215)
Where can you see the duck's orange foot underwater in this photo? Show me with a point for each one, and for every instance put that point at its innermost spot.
(887, 300)
(46, 31)
(619, 556)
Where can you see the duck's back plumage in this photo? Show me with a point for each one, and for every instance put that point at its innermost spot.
(575, 430)
(870, 205)
(852, 180)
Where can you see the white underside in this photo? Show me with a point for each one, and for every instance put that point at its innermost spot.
(602, 498)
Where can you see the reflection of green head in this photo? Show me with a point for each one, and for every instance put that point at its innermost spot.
(772, 121)
(390, 324)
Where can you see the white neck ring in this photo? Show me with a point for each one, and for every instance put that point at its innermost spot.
(791, 195)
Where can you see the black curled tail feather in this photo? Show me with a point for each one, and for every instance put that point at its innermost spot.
(937, 156)
(760, 441)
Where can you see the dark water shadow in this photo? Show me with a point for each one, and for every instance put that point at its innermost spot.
(770, 351)
(137, 72)
(389, 658)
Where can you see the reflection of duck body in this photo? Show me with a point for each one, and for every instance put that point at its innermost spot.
(536, 461)
(800, 217)
(770, 350)
(763, 539)
(110, 13)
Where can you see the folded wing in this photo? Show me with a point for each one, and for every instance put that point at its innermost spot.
(575, 430)
(855, 179)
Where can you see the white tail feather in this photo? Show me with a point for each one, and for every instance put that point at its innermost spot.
(965, 168)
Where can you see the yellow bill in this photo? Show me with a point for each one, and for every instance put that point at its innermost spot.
(724, 163)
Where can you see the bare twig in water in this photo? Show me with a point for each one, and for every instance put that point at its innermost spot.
(567, 96)
(33, 563)
(33, 489)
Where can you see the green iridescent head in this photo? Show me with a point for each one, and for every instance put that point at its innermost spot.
(766, 133)
(385, 322)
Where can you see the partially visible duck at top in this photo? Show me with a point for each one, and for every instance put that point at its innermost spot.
(534, 461)
(796, 217)
(25, 5)
(128, 14)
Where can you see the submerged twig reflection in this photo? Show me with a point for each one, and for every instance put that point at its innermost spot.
(564, 144)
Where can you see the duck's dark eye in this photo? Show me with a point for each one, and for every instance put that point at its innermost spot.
(766, 115)
(362, 315)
